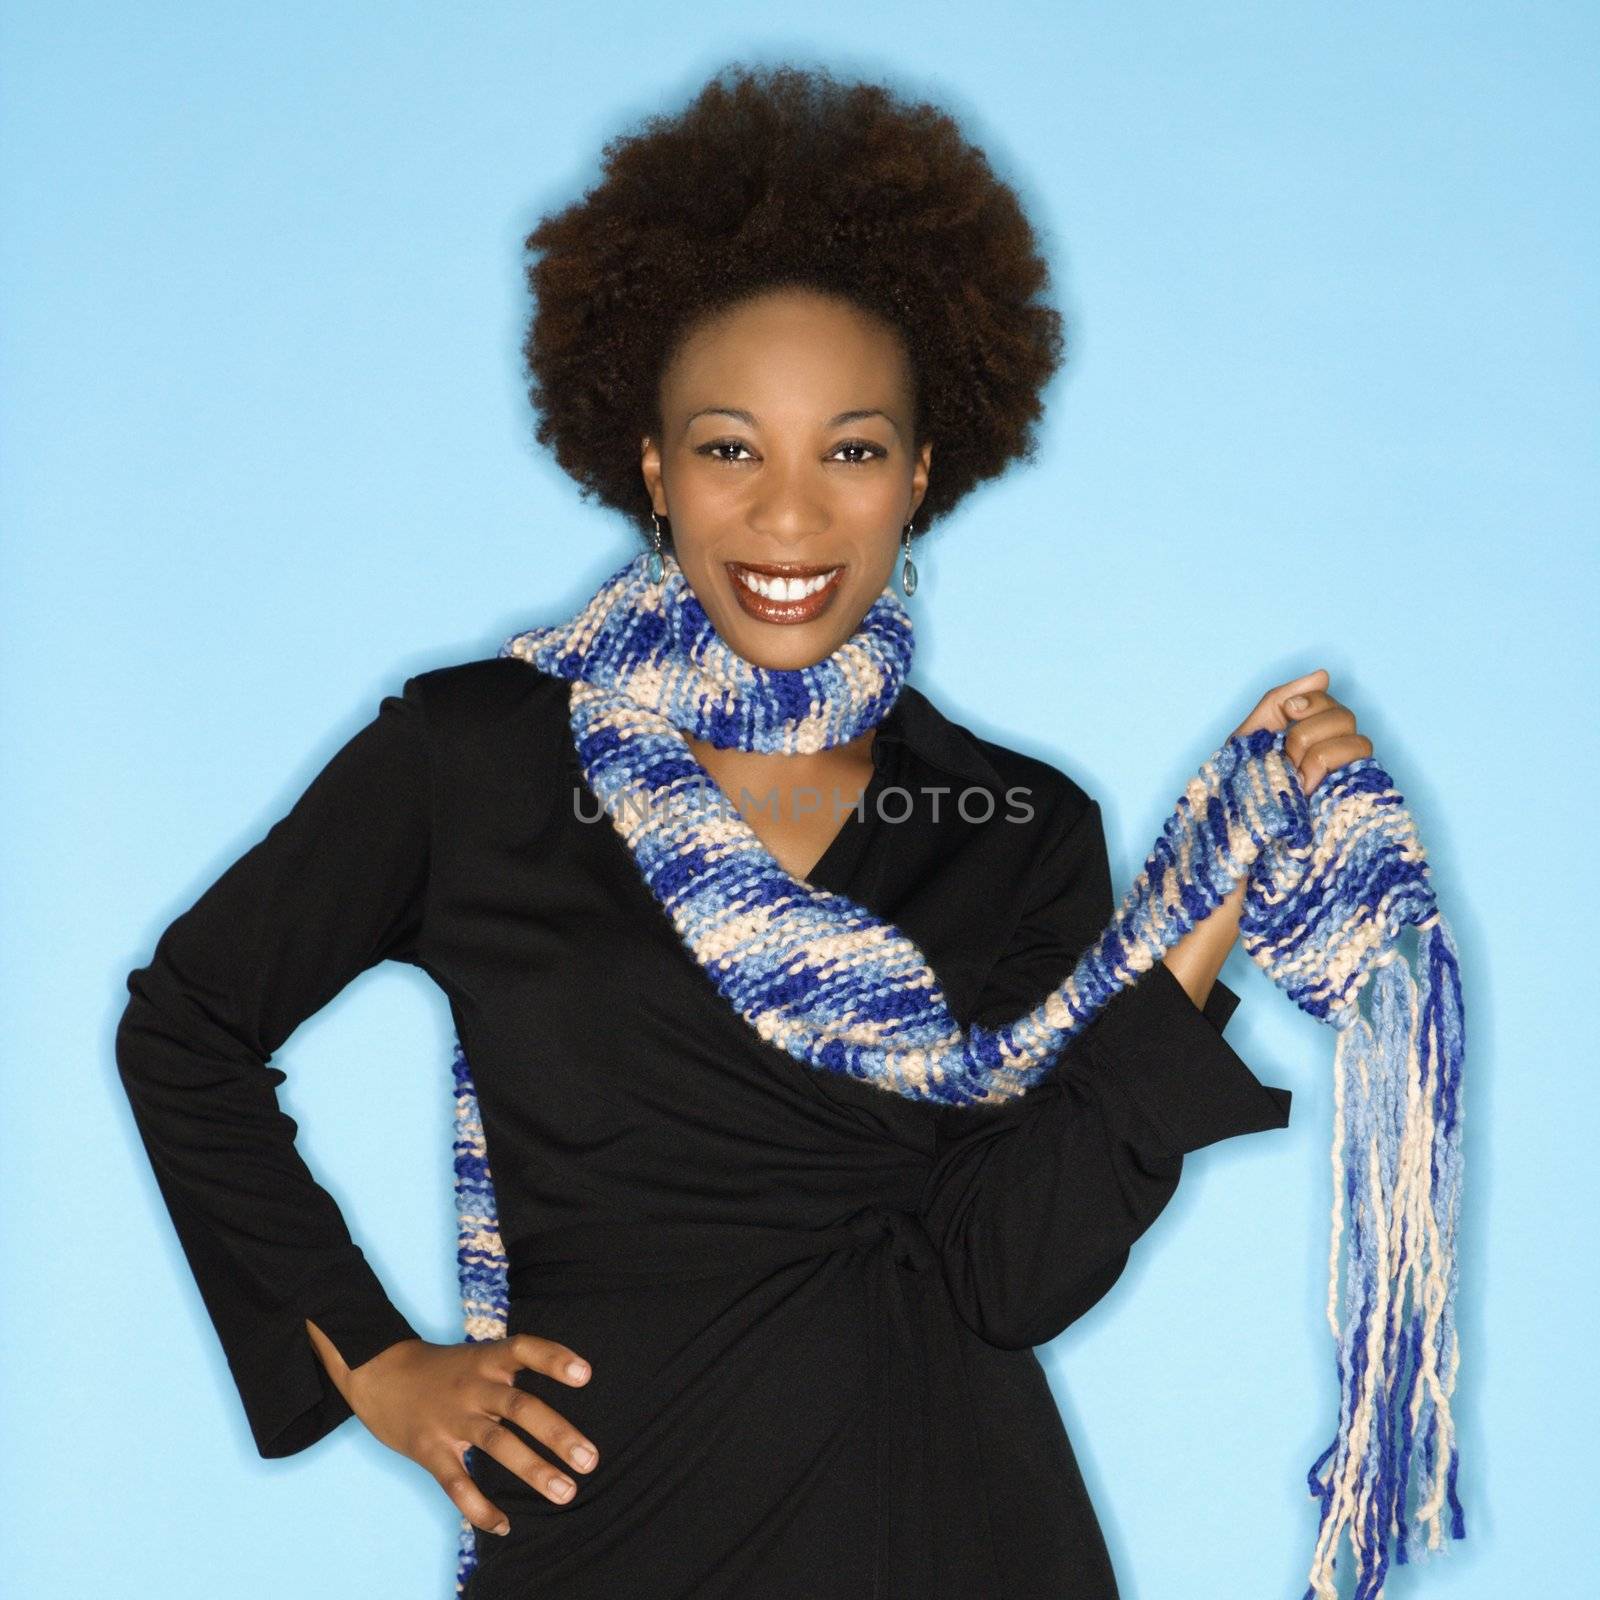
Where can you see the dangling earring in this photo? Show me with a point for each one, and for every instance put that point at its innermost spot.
(908, 572)
(657, 567)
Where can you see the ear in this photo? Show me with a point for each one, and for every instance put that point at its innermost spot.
(919, 476)
(650, 466)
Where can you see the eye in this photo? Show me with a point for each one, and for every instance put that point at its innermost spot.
(721, 444)
(872, 450)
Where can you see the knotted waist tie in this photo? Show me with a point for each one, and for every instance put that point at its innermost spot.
(923, 1432)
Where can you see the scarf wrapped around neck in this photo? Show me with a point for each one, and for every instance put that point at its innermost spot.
(1333, 881)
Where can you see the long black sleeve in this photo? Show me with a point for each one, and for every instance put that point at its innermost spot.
(336, 886)
(1036, 1204)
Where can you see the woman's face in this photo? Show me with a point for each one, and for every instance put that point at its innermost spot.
(787, 448)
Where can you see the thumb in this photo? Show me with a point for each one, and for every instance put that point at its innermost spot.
(1273, 709)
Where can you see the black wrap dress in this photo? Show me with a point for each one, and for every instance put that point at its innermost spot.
(810, 1305)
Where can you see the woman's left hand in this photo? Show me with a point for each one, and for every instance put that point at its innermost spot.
(1322, 735)
(1322, 732)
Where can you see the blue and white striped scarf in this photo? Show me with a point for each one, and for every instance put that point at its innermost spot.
(1333, 882)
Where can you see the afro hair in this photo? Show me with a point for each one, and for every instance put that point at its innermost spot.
(785, 176)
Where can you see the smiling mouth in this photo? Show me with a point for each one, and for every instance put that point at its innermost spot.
(784, 591)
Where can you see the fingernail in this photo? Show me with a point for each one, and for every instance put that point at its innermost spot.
(1297, 702)
(561, 1488)
(577, 1369)
(504, 1527)
(583, 1455)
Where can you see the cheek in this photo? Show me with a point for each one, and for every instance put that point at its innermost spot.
(876, 498)
(702, 489)
(863, 594)
(880, 567)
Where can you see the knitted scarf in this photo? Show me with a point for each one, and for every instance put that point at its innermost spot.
(1333, 880)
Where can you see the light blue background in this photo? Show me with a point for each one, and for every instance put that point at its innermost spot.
(1330, 401)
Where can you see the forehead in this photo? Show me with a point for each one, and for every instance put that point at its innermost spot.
(786, 349)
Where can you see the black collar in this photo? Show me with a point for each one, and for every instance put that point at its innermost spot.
(931, 736)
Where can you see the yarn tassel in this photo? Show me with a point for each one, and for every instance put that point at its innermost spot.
(481, 1266)
(1397, 1167)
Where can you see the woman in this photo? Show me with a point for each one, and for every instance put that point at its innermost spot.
(791, 325)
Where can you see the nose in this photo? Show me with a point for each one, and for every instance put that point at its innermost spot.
(787, 510)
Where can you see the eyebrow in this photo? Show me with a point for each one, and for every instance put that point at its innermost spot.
(749, 420)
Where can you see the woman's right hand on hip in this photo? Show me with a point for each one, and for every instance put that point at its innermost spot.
(432, 1402)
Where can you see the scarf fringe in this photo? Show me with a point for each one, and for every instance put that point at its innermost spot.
(1397, 1166)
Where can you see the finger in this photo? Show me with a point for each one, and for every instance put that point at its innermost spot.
(452, 1476)
(505, 1402)
(1332, 721)
(1269, 711)
(1301, 695)
(500, 1440)
(1297, 707)
(1327, 755)
(548, 1356)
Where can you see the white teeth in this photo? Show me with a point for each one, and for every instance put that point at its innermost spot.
(785, 589)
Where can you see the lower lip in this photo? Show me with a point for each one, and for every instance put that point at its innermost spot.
(785, 611)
